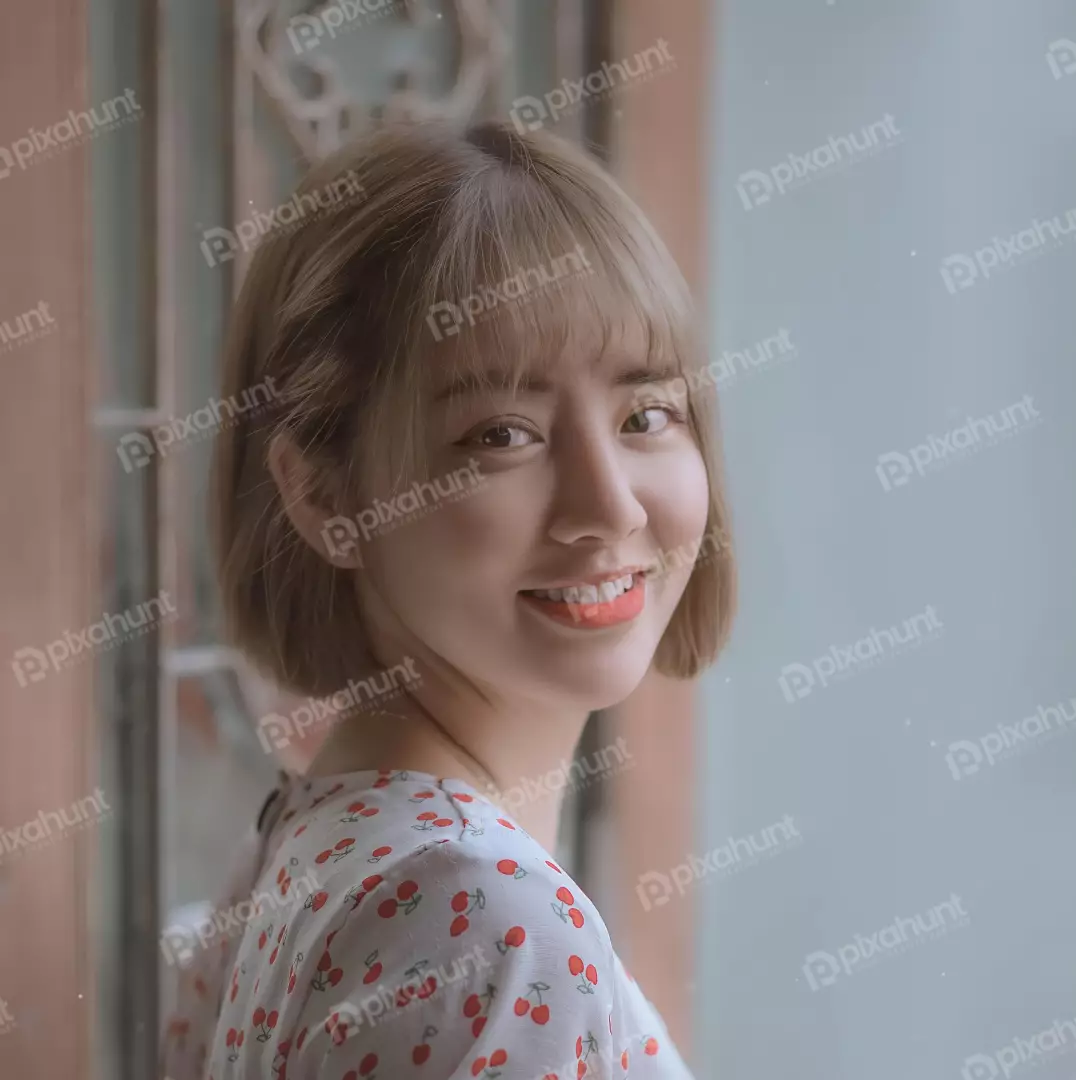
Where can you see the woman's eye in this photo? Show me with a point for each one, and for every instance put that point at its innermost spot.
(503, 437)
(651, 419)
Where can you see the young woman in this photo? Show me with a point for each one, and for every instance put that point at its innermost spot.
(483, 490)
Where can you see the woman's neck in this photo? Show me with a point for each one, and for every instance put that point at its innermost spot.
(509, 758)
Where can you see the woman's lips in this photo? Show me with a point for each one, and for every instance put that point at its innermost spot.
(623, 608)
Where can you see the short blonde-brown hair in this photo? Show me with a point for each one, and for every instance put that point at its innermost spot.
(343, 316)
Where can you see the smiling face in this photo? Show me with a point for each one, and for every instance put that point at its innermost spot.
(567, 478)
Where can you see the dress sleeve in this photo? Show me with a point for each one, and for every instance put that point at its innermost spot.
(456, 968)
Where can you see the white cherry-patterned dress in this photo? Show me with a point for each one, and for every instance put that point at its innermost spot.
(402, 927)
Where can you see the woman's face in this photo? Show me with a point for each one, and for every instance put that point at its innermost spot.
(569, 482)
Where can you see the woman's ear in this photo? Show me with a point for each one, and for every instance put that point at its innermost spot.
(333, 537)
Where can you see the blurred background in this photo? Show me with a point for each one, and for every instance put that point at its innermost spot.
(846, 851)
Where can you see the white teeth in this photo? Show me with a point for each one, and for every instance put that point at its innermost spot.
(589, 594)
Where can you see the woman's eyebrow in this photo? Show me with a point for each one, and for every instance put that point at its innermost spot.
(538, 384)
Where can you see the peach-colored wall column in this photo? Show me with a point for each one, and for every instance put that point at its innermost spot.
(47, 572)
(658, 145)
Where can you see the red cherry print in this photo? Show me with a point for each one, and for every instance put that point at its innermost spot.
(522, 1006)
(355, 807)
(624, 1061)
(259, 1016)
(407, 890)
(459, 925)
(443, 822)
(507, 866)
(318, 900)
(381, 852)
(478, 1025)
(462, 796)
(506, 824)
(472, 1006)
(420, 1054)
(302, 1038)
(651, 1046)
(336, 975)
(368, 1064)
(592, 973)
(387, 908)
(323, 856)
(554, 865)
(329, 938)
(459, 901)
(426, 815)
(239, 1038)
(576, 916)
(581, 1069)
(381, 781)
(346, 842)
(575, 966)
(373, 974)
(283, 931)
(229, 1039)
(368, 883)
(299, 831)
(515, 937)
(477, 1065)
(325, 962)
(263, 937)
(273, 954)
(565, 896)
(579, 1046)
(540, 1015)
(498, 1057)
(291, 981)
(369, 811)
(271, 1019)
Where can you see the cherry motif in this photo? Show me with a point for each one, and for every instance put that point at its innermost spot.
(279, 941)
(540, 1013)
(463, 903)
(495, 1060)
(510, 868)
(299, 831)
(506, 824)
(583, 1050)
(233, 1040)
(573, 913)
(554, 866)
(407, 899)
(316, 900)
(338, 851)
(462, 796)
(327, 974)
(420, 795)
(357, 810)
(650, 1046)
(379, 853)
(624, 1061)
(474, 1005)
(373, 968)
(383, 780)
(336, 1029)
(421, 1053)
(589, 972)
(365, 1069)
(430, 820)
(512, 940)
